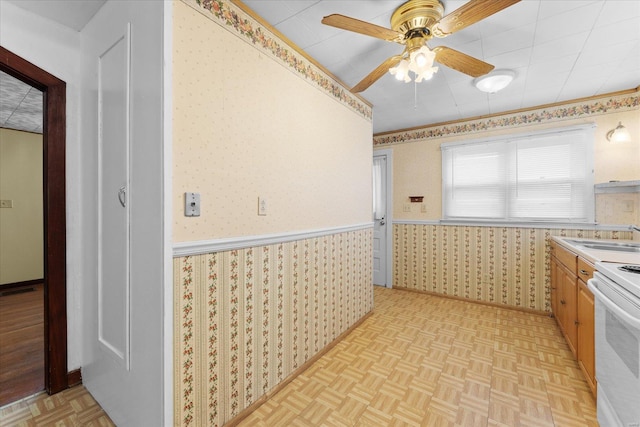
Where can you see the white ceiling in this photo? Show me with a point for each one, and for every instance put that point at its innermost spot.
(71, 13)
(560, 50)
(20, 104)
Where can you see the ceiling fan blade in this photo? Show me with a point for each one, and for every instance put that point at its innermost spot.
(362, 27)
(470, 13)
(376, 74)
(461, 62)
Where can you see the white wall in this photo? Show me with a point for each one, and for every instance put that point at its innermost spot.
(55, 49)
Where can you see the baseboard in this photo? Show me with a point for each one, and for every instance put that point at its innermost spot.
(74, 377)
(20, 284)
(255, 405)
(491, 304)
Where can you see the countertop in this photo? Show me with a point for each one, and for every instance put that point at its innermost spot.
(595, 255)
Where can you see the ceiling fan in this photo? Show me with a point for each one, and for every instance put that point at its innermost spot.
(413, 24)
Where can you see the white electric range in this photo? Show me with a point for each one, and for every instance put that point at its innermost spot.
(616, 288)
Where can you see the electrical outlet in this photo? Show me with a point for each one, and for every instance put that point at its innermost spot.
(262, 206)
(627, 206)
(406, 207)
(6, 203)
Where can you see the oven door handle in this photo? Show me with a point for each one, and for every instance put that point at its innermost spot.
(592, 284)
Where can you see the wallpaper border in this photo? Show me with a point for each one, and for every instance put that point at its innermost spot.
(235, 20)
(571, 110)
(202, 247)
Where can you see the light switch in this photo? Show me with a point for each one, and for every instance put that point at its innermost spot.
(262, 206)
(191, 204)
(406, 207)
(423, 208)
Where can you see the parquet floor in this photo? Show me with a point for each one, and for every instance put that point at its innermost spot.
(421, 360)
(72, 407)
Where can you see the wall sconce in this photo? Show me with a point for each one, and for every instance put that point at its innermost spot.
(619, 134)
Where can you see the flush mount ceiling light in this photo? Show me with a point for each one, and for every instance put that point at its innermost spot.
(619, 134)
(494, 81)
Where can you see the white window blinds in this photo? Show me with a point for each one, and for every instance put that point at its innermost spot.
(534, 177)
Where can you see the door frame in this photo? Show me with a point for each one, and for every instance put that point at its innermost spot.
(54, 213)
(388, 155)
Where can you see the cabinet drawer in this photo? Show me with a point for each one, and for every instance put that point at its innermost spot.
(585, 270)
(569, 259)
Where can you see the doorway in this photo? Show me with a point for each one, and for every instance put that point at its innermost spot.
(21, 242)
(382, 216)
(54, 216)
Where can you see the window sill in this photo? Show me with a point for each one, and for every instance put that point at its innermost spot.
(521, 224)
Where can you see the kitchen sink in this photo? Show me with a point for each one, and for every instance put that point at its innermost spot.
(607, 246)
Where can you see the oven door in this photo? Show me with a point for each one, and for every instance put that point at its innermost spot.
(617, 335)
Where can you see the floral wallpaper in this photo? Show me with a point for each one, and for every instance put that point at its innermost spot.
(576, 110)
(235, 20)
(500, 265)
(246, 319)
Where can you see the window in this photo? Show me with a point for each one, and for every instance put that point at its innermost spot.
(546, 176)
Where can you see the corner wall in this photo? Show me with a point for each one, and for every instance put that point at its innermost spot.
(258, 296)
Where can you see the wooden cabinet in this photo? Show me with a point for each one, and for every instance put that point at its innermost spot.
(567, 306)
(586, 339)
(586, 327)
(573, 306)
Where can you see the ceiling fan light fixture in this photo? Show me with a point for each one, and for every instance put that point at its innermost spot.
(422, 58)
(420, 62)
(401, 71)
(426, 74)
(494, 81)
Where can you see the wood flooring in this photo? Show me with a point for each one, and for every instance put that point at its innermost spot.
(21, 342)
(419, 360)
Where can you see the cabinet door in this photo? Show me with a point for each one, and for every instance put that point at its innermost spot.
(586, 345)
(568, 293)
(554, 287)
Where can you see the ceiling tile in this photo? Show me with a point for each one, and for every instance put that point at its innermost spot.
(508, 41)
(559, 48)
(275, 12)
(576, 20)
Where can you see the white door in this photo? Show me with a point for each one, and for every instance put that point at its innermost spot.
(122, 126)
(381, 227)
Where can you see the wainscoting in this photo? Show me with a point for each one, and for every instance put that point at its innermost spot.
(245, 319)
(500, 265)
